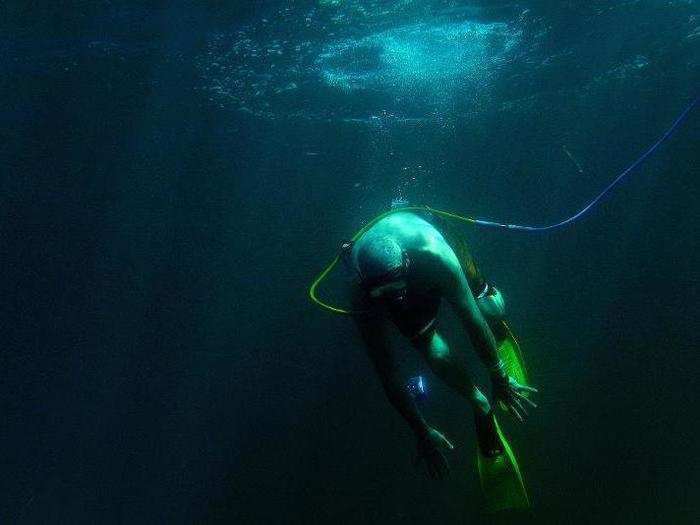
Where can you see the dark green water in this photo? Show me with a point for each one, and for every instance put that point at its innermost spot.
(175, 176)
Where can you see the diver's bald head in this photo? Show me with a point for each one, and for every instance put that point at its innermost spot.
(380, 259)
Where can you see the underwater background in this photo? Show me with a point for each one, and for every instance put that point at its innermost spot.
(174, 177)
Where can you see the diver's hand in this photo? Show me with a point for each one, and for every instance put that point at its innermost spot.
(429, 451)
(512, 395)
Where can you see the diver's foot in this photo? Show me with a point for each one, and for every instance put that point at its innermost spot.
(486, 435)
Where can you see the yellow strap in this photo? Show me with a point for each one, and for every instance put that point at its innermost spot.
(334, 262)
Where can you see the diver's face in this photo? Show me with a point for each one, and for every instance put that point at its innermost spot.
(392, 291)
(392, 287)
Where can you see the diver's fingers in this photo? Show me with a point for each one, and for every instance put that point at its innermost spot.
(522, 397)
(527, 388)
(446, 443)
(520, 406)
(514, 412)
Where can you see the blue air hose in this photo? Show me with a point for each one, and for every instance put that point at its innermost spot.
(603, 193)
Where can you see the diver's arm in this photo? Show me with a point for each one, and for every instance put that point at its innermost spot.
(505, 388)
(456, 291)
(380, 353)
(429, 441)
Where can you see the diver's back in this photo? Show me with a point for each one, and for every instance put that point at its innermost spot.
(411, 231)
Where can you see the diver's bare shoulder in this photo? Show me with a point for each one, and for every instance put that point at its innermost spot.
(433, 260)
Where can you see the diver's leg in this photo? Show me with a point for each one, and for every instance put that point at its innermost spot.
(492, 307)
(455, 374)
(452, 371)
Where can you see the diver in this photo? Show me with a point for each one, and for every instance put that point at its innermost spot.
(406, 267)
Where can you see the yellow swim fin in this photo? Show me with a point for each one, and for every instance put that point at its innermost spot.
(509, 351)
(501, 480)
(500, 476)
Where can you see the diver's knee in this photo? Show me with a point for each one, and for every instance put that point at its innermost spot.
(438, 353)
(433, 347)
(491, 303)
(480, 401)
